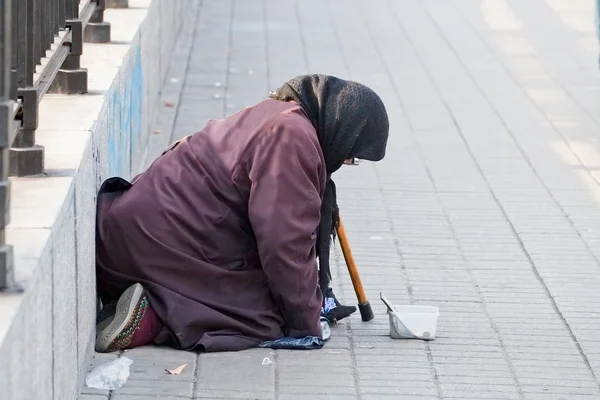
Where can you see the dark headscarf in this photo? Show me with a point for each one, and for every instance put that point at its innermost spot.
(351, 122)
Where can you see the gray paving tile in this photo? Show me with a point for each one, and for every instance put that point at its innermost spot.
(146, 396)
(241, 371)
(86, 391)
(233, 394)
(155, 387)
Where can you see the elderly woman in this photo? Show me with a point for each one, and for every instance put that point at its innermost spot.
(215, 246)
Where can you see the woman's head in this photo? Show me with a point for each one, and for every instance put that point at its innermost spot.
(350, 119)
(351, 122)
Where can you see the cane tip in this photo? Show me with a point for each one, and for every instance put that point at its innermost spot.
(366, 312)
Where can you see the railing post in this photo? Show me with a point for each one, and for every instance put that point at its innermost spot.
(25, 158)
(7, 126)
(71, 78)
(97, 31)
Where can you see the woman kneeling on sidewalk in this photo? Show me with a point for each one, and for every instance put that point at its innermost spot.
(215, 246)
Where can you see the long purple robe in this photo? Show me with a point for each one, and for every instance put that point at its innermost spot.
(221, 231)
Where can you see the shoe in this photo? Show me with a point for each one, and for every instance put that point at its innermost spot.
(132, 324)
(333, 310)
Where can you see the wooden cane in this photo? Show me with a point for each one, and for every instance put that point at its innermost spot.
(364, 307)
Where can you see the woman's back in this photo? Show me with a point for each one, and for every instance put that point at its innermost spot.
(183, 229)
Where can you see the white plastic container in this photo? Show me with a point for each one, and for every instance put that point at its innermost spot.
(412, 321)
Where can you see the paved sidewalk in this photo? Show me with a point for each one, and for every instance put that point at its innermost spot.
(487, 204)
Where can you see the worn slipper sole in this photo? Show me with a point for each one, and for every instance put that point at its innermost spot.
(126, 310)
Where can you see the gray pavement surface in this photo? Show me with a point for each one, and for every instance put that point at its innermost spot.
(487, 204)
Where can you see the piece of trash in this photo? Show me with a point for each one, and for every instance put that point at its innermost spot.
(267, 361)
(174, 80)
(411, 321)
(169, 104)
(250, 72)
(217, 96)
(109, 376)
(217, 84)
(156, 131)
(177, 370)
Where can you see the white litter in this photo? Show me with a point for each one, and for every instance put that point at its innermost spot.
(267, 361)
(109, 376)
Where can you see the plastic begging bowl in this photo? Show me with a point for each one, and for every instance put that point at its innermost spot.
(414, 322)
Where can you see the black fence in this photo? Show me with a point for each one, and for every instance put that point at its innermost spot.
(41, 42)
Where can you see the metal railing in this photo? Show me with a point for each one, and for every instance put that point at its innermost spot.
(41, 42)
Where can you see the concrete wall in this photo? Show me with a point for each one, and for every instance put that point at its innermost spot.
(46, 331)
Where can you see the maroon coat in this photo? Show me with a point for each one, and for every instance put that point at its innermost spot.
(221, 231)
